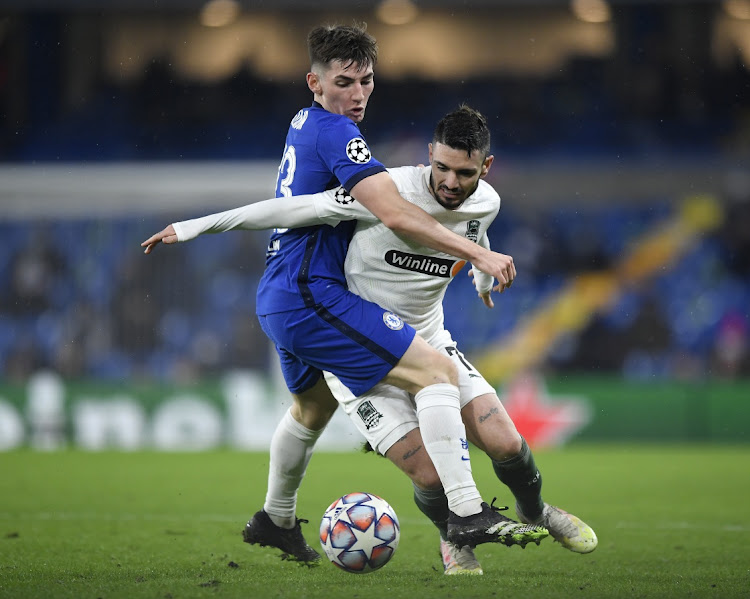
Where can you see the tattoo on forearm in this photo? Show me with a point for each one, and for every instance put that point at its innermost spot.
(488, 414)
(409, 454)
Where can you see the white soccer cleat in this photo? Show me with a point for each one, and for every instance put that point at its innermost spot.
(568, 530)
(459, 561)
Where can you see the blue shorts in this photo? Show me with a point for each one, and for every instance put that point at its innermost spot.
(356, 340)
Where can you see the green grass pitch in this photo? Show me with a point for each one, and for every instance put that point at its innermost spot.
(672, 522)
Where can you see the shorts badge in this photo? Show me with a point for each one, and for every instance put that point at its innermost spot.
(369, 415)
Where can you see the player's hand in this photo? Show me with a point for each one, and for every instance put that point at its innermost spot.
(498, 265)
(485, 296)
(167, 236)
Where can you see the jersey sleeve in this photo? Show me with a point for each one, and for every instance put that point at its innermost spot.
(325, 208)
(292, 212)
(337, 205)
(345, 152)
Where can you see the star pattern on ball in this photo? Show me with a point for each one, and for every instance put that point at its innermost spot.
(359, 532)
(365, 540)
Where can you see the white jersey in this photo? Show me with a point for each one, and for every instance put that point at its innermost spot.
(403, 276)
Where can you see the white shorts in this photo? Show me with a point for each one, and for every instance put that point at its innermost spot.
(386, 413)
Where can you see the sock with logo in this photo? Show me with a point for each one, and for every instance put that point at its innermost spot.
(434, 504)
(521, 476)
(291, 449)
(444, 436)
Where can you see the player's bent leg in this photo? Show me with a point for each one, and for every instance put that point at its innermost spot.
(433, 377)
(488, 526)
(292, 444)
(291, 448)
(490, 428)
(568, 530)
(410, 456)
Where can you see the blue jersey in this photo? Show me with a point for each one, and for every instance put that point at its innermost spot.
(305, 266)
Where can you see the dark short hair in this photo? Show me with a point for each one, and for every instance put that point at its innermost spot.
(348, 44)
(463, 129)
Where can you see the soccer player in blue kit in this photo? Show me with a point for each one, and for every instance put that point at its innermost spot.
(317, 324)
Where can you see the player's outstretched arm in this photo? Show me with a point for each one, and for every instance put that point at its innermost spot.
(378, 193)
(291, 212)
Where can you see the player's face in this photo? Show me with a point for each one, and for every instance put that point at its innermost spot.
(455, 175)
(343, 89)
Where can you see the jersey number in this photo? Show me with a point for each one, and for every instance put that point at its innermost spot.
(289, 166)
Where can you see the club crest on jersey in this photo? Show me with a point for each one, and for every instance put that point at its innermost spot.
(392, 321)
(472, 230)
(369, 415)
(342, 197)
(357, 151)
(299, 119)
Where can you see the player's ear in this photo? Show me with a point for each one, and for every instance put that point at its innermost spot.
(313, 82)
(429, 151)
(486, 166)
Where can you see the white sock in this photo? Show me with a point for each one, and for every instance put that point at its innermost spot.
(444, 436)
(291, 449)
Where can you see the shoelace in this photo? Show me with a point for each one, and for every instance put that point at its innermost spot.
(497, 508)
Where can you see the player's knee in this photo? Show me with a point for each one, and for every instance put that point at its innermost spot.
(441, 370)
(505, 447)
(426, 478)
(312, 415)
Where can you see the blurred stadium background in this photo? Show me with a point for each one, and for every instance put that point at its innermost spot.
(621, 131)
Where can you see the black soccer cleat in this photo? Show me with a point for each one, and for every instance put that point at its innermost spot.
(261, 530)
(488, 526)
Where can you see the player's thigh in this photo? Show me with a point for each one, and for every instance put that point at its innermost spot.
(422, 365)
(489, 427)
(356, 340)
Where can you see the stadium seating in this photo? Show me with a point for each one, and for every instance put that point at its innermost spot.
(103, 311)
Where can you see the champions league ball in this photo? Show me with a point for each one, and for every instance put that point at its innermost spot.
(359, 532)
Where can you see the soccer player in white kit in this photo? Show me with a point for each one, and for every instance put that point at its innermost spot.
(411, 280)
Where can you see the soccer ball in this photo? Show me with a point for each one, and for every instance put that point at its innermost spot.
(359, 532)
